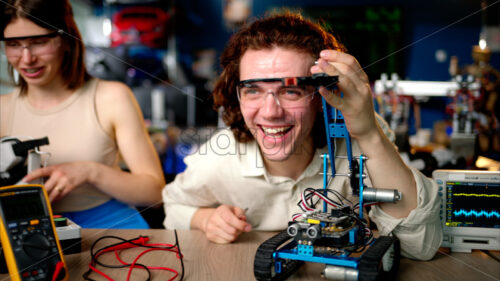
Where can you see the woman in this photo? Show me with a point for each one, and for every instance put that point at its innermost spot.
(89, 122)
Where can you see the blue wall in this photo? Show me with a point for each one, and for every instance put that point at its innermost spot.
(449, 25)
(422, 19)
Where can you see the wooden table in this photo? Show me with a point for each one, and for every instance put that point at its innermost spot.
(206, 261)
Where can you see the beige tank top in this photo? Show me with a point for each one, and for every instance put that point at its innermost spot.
(75, 134)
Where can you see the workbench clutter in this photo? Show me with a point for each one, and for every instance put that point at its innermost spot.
(142, 242)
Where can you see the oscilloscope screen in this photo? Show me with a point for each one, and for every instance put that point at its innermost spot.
(473, 204)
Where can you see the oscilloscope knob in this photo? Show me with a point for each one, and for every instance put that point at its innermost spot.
(36, 246)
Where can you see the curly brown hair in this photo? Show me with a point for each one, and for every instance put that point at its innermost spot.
(287, 30)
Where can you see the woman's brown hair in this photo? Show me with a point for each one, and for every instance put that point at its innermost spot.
(56, 15)
(287, 30)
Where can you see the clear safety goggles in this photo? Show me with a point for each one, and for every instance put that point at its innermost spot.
(37, 45)
(292, 92)
(253, 92)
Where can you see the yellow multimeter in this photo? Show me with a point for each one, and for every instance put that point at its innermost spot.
(28, 234)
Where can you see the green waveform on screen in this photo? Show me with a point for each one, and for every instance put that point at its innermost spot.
(476, 195)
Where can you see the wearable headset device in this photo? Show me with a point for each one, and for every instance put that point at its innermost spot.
(316, 80)
(28, 234)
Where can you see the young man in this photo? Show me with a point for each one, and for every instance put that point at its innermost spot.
(252, 176)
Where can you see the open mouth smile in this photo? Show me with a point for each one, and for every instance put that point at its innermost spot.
(275, 132)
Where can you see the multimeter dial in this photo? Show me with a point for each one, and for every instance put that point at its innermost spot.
(36, 246)
(28, 235)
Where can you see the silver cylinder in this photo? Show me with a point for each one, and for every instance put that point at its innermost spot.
(332, 272)
(313, 231)
(293, 229)
(381, 195)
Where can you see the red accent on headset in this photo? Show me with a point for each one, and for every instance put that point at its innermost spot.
(291, 81)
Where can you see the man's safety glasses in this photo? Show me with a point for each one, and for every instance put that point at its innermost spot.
(253, 92)
(37, 45)
(291, 92)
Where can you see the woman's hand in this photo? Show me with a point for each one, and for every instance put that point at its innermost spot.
(356, 104)
(61, 179)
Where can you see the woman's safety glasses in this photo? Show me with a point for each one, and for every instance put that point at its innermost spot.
(37, 45)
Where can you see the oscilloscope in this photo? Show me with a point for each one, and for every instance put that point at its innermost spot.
(470, 209)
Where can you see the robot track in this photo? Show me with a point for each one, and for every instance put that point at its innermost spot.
(264, 263)
(381, 260)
